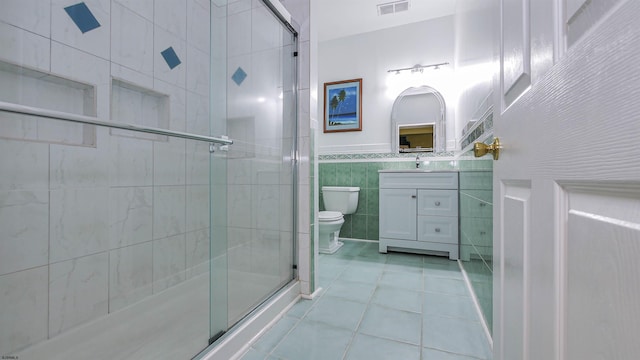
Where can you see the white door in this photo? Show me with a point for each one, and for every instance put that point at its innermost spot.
(567, 184)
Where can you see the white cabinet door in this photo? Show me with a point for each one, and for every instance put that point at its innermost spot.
(567, 184)
(398, 214)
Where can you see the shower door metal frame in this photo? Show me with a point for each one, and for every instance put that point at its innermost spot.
(286, 20)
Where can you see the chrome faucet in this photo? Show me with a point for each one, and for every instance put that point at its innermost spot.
(417, 161)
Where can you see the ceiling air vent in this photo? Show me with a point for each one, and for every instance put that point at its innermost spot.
(393, 7)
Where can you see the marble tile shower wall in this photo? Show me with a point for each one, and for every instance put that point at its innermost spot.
(88, 230)
(364, 223)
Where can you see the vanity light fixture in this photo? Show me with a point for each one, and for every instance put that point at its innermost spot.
(418, 68)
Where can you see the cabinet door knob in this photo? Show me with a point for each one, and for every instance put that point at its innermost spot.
(483, 204)
(437, 203)
(437, 230)
(413, 196)
(482, 232)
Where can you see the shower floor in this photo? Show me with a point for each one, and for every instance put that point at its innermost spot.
(166, 326)
(173, 324)
(379, 306)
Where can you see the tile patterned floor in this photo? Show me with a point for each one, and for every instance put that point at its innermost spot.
(379, 306)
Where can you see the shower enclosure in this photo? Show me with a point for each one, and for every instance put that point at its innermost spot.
(148, 174)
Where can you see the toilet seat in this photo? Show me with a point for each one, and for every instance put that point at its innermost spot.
(329, 215)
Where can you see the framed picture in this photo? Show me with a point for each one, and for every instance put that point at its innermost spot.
(343, 106)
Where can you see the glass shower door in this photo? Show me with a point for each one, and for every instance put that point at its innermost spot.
(255, 177)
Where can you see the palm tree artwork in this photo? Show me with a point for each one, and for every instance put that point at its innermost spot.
(342, 106)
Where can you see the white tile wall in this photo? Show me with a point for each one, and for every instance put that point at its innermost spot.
(171, 15)
(29, 15)
(197, 113)
(240, 171)
(265, 207)
(23, 47)
(240, 256)
(197, 207)
(130, 216)
(239, 206)
(168, 211)
(23, 302)
(23, 244)
(169, 167)
(131, 162)
(168, 262)
(198, 159)
(265, 253)
(265, 33)
(236, 6)
(15, 175)
(239, 24)
(78, 291)
(197, 249)
(133, 49)
(130, 275)
(177, 104)
(198, 70)
(74, 166)
(198, 24)
(77, 222)
(239, 237)
(143, 8)
(64, 30)
(286, 208)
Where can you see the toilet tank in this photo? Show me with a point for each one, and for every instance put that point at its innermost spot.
(340, 198)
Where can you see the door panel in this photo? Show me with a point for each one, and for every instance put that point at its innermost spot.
(571, 138)
(582, 15)
(517, 207)
(516, 54)
(602, 272)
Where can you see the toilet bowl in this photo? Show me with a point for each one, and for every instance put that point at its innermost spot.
(338, 200)
(329, 224)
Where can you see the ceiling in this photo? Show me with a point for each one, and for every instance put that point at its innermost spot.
(339, 18)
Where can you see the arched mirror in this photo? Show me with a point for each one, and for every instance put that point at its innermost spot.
(418, 121)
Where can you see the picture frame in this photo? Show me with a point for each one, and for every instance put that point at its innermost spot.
(343, 106)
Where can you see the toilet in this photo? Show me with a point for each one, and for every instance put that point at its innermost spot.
(338, 201)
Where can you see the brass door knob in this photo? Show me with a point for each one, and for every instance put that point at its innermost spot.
(481, 149)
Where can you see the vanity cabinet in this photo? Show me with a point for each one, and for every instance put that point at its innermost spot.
(419, 212)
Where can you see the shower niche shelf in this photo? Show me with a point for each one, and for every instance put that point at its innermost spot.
(46, 91)
(136, 105)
